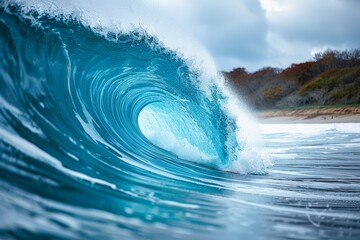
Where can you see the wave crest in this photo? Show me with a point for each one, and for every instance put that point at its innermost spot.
(121, 96)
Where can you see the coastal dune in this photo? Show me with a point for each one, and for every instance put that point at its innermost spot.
(349, 114)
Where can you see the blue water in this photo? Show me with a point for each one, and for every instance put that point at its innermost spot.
(111, 134)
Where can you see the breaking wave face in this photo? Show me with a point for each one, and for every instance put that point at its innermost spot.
(106, 116)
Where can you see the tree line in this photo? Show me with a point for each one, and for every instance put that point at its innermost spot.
(331, 77)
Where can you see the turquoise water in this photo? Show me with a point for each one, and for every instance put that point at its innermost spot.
(107, 134)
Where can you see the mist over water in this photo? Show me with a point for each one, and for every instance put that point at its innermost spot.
(111, 128)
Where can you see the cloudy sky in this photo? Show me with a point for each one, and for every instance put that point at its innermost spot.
(261, 33)
(238, 33)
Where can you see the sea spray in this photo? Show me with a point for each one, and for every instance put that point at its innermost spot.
(135, 70)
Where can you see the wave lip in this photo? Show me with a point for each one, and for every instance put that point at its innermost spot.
(107, 91)
(109, 127)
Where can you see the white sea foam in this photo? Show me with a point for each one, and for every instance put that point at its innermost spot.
(180, 147)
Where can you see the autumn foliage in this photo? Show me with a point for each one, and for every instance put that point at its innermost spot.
(332, 77)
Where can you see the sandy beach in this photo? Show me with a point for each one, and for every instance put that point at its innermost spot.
(316, 115)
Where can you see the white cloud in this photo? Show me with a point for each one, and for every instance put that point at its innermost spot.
(274, 7)
(298, 29)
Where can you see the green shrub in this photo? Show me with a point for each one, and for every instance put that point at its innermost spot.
(338, 93)
(319, 83)
(273, 92)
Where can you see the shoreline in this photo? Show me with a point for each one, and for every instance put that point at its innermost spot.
(345, 114)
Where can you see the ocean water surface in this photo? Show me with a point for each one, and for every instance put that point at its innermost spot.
(109, 133)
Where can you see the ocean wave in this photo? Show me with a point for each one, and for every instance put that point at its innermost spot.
(106, 93)
(97, 125)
